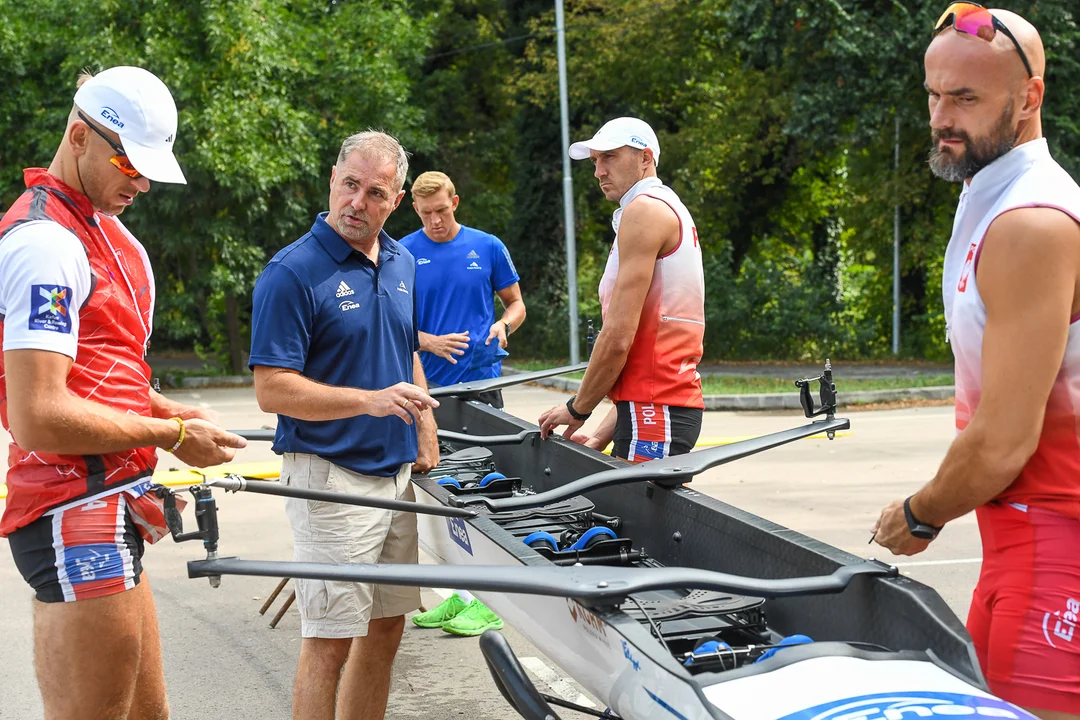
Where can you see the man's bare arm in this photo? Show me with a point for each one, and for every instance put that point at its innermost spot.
(1027, 276)
(648, 229)
(287, 392)
(513, 313)
(513, 305)
(46, 417)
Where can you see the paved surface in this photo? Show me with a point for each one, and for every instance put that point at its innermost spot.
(221, 659)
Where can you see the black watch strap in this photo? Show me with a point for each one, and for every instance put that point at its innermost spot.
(918, 529)
(574, 413)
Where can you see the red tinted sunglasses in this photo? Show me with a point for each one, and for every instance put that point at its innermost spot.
(974, 19)
(120, 159)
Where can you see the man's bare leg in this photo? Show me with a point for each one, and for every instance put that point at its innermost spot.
(317, 676)
(365, 684)
(87, 653)
(150, 701)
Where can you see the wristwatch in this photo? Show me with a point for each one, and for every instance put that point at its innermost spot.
(509, 327)
(574, 413)
(916, 528)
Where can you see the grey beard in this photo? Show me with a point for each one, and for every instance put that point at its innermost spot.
(975, 158)
(977, 153)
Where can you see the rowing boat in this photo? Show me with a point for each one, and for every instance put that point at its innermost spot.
(660, 601)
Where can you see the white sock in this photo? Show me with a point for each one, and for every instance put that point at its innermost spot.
(465, 595)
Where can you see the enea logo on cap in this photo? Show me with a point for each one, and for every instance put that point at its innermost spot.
(904, 705)
(50, 308)
(638, 141)
(112, 116)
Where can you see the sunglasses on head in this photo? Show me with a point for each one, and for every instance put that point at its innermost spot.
(974, 19)
(120, 159)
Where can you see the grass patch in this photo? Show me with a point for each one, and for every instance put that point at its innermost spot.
(732, 385)
(747, 385)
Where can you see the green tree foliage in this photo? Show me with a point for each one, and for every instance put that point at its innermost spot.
(266, 92)
(776, 121)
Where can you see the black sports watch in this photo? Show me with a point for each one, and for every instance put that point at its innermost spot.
(574, 413)
(916, 528)
(509, 327)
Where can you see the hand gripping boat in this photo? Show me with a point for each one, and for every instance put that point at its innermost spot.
(660, 601)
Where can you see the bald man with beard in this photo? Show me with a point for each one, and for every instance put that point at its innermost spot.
(1011, 288)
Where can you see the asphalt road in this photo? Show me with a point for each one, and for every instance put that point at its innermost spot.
(223, 661)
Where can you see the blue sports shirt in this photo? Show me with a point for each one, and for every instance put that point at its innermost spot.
(324, 310)
(456, 282)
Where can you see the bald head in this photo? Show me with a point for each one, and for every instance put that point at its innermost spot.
(982, 100)
(995, 60)
(1026, 35)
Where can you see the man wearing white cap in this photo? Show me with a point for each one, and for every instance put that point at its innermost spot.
(652, 295)
(76, 306)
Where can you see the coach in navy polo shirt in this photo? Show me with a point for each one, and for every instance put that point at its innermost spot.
(334, 349)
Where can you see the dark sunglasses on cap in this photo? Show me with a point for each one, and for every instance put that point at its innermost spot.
(974, 19)
(120, 159)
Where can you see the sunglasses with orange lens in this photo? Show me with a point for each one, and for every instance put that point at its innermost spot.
(120, 159)
(974, 19)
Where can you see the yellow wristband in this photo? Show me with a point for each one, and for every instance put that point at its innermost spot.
(179, 440)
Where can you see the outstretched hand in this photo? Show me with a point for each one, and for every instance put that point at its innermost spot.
(207, 444)
(404, 400)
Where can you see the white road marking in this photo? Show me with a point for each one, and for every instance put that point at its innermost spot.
(924, 563)
(558, 684)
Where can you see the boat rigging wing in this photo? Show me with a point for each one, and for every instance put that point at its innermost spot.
(475, 386)
(596, 584)
(663, 471)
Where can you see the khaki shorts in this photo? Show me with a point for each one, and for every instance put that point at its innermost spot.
(332, 533)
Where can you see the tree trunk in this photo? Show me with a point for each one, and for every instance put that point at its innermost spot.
(232, 329)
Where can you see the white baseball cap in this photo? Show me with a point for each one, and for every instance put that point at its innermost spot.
(137, 106)
(617, 133)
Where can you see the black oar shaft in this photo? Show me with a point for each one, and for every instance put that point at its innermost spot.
(272, 488)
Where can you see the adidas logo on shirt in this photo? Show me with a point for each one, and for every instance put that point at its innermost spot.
(472, 255)
(474, 266)
(401, 287)
(344, 290)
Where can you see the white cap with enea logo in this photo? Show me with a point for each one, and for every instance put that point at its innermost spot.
(617, 133)
(137, 106)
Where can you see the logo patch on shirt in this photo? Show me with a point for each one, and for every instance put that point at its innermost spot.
(472, 255)
(50, 308)
(422, 261)
(344, 290)
(474, 266)
(401, 287)
(348, 304)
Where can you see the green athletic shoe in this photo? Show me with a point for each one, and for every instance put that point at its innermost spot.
(473, 620)
(442, 613)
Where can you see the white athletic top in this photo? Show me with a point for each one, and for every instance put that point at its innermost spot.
(44, 279)
(662, 365)
(1026, 176)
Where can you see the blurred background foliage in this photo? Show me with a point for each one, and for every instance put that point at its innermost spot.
(776, 119)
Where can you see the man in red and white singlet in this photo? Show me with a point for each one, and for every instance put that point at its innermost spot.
(1012, 308)
(76, 305)
(652, 295)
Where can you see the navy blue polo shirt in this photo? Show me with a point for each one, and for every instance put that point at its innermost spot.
(326, 311)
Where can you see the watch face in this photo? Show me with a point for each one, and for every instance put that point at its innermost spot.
(923, 533)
